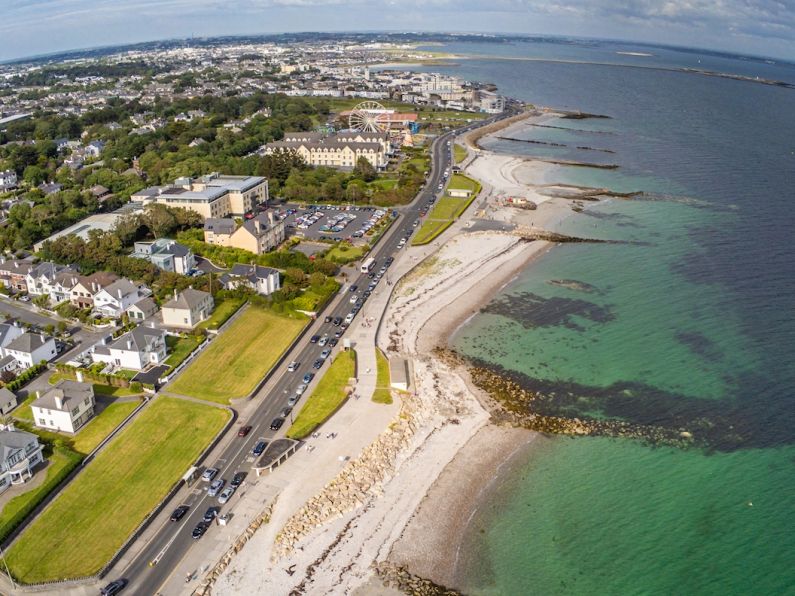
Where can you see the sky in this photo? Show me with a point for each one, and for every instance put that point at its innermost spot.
(761, 27)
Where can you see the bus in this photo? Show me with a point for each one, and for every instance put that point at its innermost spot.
(368, 265)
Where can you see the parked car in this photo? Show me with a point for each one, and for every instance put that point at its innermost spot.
(353, 298)
(300, 389)
(349, 317)
(333, 341)
(237, 479)
(323, 341)
(226, 494)
(293, 399)
(179, 513)
(216, 487)
(113, 587)
(308, 377)
(244, 431)
(328, 319)
(285, 412)
(199, 530)
(317, 364)
(209, 474)
(277, 423)
(325, 353)
(259, 448)
(210, 514)
(352, 288)
(337, 321)
(293, 366)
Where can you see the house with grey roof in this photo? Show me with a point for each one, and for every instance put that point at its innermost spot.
(66, 407)
(167, 255)
(263, 280)
(142, 310)
(187, 309)
(51, 279)
(258, 234)
(8, 401)
(137, 349)
(114, 299)
(30, 348)
(20, 453)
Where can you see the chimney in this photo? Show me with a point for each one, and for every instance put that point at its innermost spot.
(175, 293)
(119, 293)
(58, 400)
(38, 394)
(129, 344)
(270, 217)
(79, 376)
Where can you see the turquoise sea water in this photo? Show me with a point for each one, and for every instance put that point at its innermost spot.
(688, 324)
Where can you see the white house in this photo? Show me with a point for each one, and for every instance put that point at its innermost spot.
(8, 180)
(167, 255)
(49, 279)
(135, 350)
(8, 401)
(188, 309)
(20, 452)
(30, 348)
(114, 299)
(94, 149)
(144, 309)
(66, 407)
(263, 280)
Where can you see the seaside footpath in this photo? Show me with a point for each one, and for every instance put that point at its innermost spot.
(406, 496)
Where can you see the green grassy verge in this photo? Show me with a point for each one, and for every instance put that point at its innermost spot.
(93, 516)
(342, 253)
(93, 433)
(429, 230)
(459, 153)
(223, 311)
(180, 348)
(464, 182)
(61, 461)
(382, 393)
(327, 396)
(449, 208)
(232, 365)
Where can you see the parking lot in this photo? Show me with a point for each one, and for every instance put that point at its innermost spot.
(331, 222)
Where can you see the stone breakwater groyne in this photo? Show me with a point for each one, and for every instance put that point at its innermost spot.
(399, 578)
(205, 588)
(358, 481)
(516, 405)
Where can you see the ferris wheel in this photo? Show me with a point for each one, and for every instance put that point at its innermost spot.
(369, 116)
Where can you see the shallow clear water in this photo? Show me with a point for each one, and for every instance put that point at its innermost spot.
(692, 321)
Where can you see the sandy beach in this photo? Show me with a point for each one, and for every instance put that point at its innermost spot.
(417, 477)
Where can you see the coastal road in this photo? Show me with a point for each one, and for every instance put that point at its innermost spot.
(172, 541)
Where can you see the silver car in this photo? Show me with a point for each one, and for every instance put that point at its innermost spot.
(226, 494)
(216, 487)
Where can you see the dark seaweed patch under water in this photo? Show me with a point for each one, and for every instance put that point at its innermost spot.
(700, 344)
(531, 310)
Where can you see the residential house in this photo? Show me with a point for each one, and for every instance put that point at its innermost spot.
(115, 299)
(82, 294)
(13, 273)
(8, 333)
(94, 149)
(187, 309)
(144, 309)
(49, 188)
(30, 348)
(167, 255)
(66, 407)
(100, 193)
(136, 350)
(258, 234)
(8, 401)
(263, 280)
(20, 453)
(50, 279)
(8, 180)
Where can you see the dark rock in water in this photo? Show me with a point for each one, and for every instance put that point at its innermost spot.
(531, 310)
(582, 116)
(573, 284)
(700, 344)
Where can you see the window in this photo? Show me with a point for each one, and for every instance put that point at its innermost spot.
(42, 422)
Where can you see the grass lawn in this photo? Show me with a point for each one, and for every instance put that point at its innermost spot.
(232, 365)
(344, 253)
(459, 153)
(465, 182)
(94, 515)
(384, 183)
(223, 310)
(180, 348)
(102, 425)
(382, 393)
(327, 396)
(448, 208)
(429, 230)
(61, 462)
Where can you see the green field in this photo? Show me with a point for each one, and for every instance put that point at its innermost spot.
(429, 230)
(464, 182)
(449, 208)
(342, 253)
(459, 153)
(180, 348)
(232, 365)
(382, 393)
(102, 425)
(327, 396)
(93, 516)
(223, 310)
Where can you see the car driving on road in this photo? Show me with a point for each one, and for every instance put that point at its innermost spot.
(277, 423)
(113, 587)
(209, 474)
(199, 530)
(179, 513)
(259, 448)
(293, 366)
(216, 487)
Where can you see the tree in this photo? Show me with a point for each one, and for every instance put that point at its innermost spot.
(364, 170)
(34, 175)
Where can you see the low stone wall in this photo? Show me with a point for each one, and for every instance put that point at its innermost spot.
(361, 478)
(205, 588)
